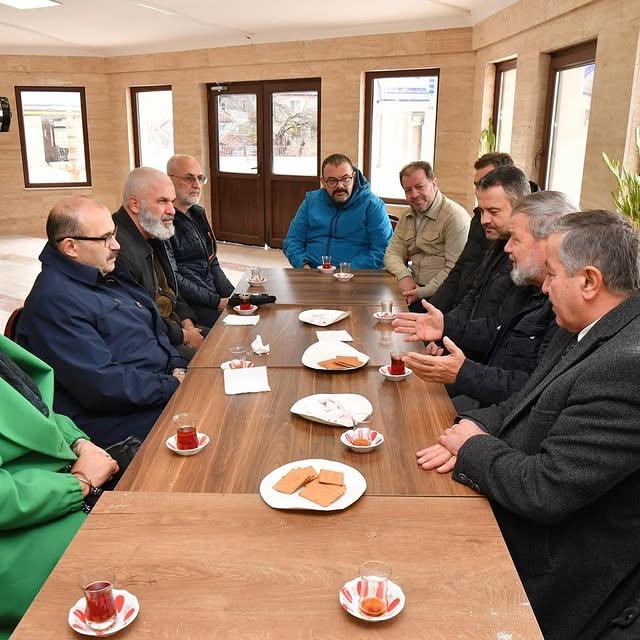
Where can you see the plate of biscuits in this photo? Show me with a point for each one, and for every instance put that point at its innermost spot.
(327, 355)
(315, 484)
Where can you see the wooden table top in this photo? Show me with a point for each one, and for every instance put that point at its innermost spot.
(254, 433)
(288, 337)
(312, 288)
(228, 566)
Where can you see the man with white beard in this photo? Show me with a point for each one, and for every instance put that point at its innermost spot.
(145, 224)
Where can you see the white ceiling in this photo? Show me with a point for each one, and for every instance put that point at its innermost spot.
(118, 27)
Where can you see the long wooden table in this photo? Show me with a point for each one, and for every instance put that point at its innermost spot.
(254, 433)
(228, 566)
(310, 287)
(288, 336)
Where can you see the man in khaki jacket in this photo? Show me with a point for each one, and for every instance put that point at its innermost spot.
(428, 238)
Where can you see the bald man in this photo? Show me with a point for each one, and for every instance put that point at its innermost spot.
(102, 334)
(145, 224)
(203, 283)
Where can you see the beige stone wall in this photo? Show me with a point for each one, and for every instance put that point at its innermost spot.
(530, 30)
(339, 63)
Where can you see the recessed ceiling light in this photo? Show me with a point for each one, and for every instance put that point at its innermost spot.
(31, 4)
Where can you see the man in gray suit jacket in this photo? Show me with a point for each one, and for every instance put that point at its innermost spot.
(560, 460)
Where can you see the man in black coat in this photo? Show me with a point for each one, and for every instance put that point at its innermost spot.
(516, 337)
(203, 283)
(145, 224)
(560, 460)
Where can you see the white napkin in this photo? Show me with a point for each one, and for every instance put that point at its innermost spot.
(246, 380)
(240, 321)
(342, 336)
(259, 347)
(326, 317)
(329, 409)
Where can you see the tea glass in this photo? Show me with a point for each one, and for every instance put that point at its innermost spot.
(374, 587)
(245, 301)
(396, 368)
(256, 273)
(238, 357)
(186, 430)
(326, 262)
(97, 586)
(386, 308)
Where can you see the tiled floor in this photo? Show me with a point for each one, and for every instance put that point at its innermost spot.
(19, 267)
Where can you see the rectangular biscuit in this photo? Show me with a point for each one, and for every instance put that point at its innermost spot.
(333, 364)
(330, 477)
(350, 361)
(322, 494)
(294, 479)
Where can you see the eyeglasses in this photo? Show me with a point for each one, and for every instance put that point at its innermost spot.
(333, 182)
(108, 238)
(191, 178)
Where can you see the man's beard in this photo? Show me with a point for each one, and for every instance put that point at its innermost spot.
(154, 227)
(526, 273)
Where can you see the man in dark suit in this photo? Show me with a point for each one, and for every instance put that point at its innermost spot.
(560, 460)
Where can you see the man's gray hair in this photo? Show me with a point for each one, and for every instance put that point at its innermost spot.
(138, 180)
(543, 209)
(605, 240)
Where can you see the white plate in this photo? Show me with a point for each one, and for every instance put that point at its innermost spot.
(349, 599)
(353, 479)
(333, 268)
(323, 317)
(227, 364)
(314, 408)
(326, 350)
(384, 319)
(345, 438)
(245, 312)
(127, 606)
(256, 283)
(343, 276)
(203, 440)
(384, 370)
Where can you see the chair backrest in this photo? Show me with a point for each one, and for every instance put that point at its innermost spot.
(12, 323)
(393, 220)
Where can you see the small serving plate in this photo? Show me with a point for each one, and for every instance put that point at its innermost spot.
(256, 282)
(384, 318)
(127, 607)
(347, 440)
(203, 441)
(227, 365)
(384, 370)
(244, 312)
(343, 276)
(349, 597)
(320, 268)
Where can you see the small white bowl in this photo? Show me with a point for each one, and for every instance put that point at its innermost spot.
(203, 440)
(349, 600)
(227, 364)
(257, 282)
(384, 318)
(333, 268)
(245, 312)
(343, 276)
(384, 370)
(377, 440)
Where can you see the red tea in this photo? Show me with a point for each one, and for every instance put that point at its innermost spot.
(101, 606)
(326, 265)
(187, 438)
(372, 606)
(397, 366)
(245, 307)
(361, 442)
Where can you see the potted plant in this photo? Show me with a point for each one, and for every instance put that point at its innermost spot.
(627, 198)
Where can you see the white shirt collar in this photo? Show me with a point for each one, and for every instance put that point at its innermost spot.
(586, 330)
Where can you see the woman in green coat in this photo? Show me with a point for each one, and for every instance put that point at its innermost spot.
(47, 468)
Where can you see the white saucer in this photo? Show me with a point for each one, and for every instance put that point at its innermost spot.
(257, 282)
(349, 598)
(227, 364)
(376, 440)
(333, 268)
(127, 607)
(343, 276)
(384, 319)
(203, 440)
(384, 370)
(245, 312)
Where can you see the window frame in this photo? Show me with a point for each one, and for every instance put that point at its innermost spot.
(561, 60)
(135, 121)
(370, 76)
(500, 68)
(23, 145)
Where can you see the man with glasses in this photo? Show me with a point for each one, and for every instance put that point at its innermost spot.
(201, 280)
(145, 220)
(343, 220)
(429, 237)
(102, 334)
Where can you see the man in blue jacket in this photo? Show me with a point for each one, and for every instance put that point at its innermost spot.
(102, 335)
(343, 220)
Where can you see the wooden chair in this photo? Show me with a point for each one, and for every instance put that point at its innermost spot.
(12, 322)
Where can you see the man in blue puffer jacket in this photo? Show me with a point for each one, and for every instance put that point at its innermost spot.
(343, 220)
